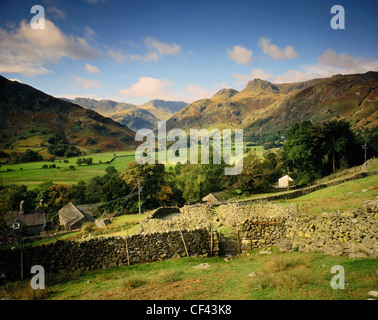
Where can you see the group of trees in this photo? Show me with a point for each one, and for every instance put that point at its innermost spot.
(28, 156)
(60, 148)
(317, 150)
(87, 161)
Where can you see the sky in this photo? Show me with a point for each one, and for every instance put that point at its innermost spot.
(136, 51)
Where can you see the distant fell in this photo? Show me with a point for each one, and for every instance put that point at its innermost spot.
(26, 111)
(264, 108)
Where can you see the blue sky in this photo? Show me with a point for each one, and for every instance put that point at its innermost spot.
(135, 51)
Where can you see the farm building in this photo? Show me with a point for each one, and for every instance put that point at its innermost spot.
(27, 222)
(284, 181)
(211, 199)
(71, 217)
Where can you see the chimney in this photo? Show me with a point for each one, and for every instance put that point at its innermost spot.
(22, 208)
(41, 206)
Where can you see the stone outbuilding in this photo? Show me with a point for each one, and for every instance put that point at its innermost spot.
(211, 199)
(285, 181)
(71, 217)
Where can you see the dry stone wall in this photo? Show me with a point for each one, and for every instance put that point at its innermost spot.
(353, 233)
(65, 256)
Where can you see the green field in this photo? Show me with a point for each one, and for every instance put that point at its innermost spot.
(346, 196)
(32, 173)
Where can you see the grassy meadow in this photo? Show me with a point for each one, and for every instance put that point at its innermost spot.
(250, 276)
(31, 173)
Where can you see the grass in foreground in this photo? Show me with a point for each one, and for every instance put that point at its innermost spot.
(278, 276)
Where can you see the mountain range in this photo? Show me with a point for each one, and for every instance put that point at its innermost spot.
(262, 108)
(133, 116)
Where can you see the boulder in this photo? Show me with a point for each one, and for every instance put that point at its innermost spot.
(102, 223)
(284, 244)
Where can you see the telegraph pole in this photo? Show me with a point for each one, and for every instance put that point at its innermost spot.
(139, 196)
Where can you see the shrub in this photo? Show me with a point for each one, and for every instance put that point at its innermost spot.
(133, 282)
(88, 227)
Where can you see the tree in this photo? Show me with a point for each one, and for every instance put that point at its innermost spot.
(14, 157)
(12, 195)
(114, 188)
(93, 192)
(111, 170)
(79, 192)
(314, 151)
(30, 155)
(257, 174)
(339, 146)
(152, 178)
(58, 195)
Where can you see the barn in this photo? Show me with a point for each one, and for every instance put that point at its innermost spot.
(71, 217)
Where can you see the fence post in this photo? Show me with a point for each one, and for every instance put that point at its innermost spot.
(186, 250)
(127, 248)
(238, 241)
(211, 240)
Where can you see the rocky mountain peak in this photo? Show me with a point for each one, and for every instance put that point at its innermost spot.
(258, 85)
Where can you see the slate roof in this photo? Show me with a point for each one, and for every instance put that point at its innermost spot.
(211, 198)
(71, 214)
(29, 219)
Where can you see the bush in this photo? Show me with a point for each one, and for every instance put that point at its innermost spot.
(133, 282)
(88, 227)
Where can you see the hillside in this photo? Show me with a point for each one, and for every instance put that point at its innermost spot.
(134, 117)
(26, 112)
(263, 107)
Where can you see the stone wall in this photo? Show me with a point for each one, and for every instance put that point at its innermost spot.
(65, 256)
(353, 233)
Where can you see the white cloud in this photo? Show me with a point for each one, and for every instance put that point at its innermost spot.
(55, 12)
(156, 50)
(240, 55)
(118, 56)
(26, 51)
(152, 88)
(276, 53)
(194, 92)
(253, 74)
(329, 64)
(86, 83)
(161, 47)
(92, 69)
(89, 33)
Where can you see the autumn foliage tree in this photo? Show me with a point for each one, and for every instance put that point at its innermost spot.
(58, 195)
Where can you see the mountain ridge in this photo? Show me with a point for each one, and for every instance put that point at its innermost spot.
(263, 107)
(25, 110)
(133, 116)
